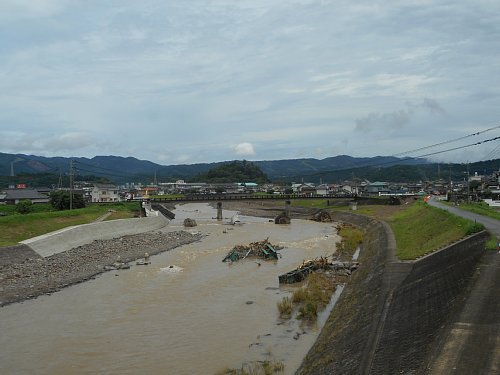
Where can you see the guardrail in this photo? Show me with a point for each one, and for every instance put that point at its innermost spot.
(235, 197)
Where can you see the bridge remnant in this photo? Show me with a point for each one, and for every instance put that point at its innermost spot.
(322, 217)
(219, 211)
(284, 217)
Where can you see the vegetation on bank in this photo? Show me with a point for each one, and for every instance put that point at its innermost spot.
(309, 299)
(492, 244)
(267, 367)
(421, 229)
(15, 227)
(352, 238)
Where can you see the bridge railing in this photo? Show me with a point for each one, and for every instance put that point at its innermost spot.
(226, 197)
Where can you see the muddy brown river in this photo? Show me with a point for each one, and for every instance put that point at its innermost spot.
(197, 317)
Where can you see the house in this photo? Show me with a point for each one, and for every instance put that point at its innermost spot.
(378, 187)
(304, 188)
(147, 191)
(323, 189)
(14, 196)
(105, 193)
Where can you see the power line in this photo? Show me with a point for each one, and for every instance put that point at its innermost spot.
(400, 160)
(447, 142)
(458, 148)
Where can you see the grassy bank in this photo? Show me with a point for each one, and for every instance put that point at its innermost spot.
(16, 227)
(421, 229)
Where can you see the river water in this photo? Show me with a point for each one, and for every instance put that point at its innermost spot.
(197, 317)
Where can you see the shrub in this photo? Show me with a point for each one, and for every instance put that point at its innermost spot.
(60, 200)
(24, 206)
(285, 307)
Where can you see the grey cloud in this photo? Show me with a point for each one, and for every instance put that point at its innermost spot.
(433, 106)
(388, 121)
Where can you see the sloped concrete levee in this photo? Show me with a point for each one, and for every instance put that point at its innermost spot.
(422, 304)
(391, 312)
(71, 237)
(348, 335)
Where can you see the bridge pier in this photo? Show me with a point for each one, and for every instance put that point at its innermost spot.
(219, 211)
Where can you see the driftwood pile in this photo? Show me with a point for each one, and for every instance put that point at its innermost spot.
(307, 267)
(260, 249)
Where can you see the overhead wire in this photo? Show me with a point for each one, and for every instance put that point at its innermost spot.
(447, 142)
(407, 158)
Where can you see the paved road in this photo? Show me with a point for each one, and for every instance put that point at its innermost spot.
(471, 344)
(491, 224)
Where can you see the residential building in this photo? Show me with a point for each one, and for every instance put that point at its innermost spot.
(14, 196)
(105, 193)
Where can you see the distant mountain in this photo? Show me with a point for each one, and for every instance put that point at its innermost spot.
(337, 168)
(118, 166)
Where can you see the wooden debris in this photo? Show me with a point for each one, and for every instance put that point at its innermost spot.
(260, 249)
(322, 263)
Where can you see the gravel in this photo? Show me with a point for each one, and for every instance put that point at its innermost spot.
(29, 276)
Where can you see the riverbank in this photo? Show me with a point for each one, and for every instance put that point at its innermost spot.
(24, 274)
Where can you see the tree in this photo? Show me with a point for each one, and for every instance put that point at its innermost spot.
(60, 200)
(24, 206)
(235, 171)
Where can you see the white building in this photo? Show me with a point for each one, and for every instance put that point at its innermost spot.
(105, 193)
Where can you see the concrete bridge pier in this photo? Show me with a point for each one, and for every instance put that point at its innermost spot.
(219, 211)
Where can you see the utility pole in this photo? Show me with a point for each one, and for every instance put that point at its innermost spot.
(71, 184)
(468, 183)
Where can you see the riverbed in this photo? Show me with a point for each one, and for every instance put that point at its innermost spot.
(186, 313)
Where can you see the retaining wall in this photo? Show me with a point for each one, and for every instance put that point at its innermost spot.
(71, 237)
(422, 304)
(389, 316)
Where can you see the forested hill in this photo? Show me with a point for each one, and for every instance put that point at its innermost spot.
(334, 169)
(236, 171)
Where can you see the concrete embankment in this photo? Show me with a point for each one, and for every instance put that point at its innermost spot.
(71, 237)
(390, 315)
(420, 306)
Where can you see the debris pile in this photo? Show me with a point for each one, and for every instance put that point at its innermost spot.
(190, 222)
(261, 249)
(336, 268)
(322, 217)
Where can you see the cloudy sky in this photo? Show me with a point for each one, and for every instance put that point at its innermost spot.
(200, 81)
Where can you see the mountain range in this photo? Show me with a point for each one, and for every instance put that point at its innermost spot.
(129, 169)
(123, 168)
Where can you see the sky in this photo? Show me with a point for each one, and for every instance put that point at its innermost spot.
(182, 82)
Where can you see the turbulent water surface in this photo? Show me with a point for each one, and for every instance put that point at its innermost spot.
(197, 317)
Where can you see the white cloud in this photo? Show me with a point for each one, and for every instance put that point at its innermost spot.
(244, 149)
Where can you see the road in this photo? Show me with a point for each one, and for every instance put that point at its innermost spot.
(491, 224)
(471, 343)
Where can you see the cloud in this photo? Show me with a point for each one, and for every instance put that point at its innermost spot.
(74, 73)
(398, 119)
(433, 106)
(244, 149)
(69, 141)
(392, 120)
(29, 143)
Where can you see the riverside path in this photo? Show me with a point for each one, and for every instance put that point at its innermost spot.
(471, 343)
